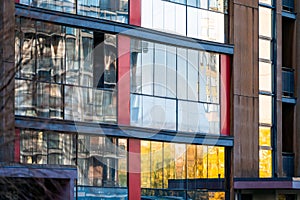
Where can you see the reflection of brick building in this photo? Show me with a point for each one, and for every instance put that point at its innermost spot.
(145, 99)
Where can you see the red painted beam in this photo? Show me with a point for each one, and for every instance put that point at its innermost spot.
(134, 169)
(123, 80)
(225, 95)
(135, 12)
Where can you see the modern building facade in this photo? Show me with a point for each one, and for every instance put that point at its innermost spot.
(149, 99)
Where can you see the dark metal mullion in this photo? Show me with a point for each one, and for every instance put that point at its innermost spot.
(274, 110)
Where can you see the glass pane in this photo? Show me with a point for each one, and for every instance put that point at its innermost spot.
(180, 21)
(265, 109)
(160, 70)
(145, 164)
(191, 161)
(194, 3)
(169, 163)
(265, 49)
(181, 73)
(216, 162)
(50, 52)
(180, 156)
(156, 165)
(192, 75)
(28, 48)
(192, 23)
(265, 163)
(169, 17)
(265, 21)
(110, 61)
(203, 76)
(57, 5)
(171, 71)
(217, 5)
(147, 67)
(266, 1)
(214, 78)
(265, 136)
(146, 13)
(203, 4)
(88, 8)
(72, 56)
(202, 161)
(136, 65)
(265, 76)
(158, 14)
(24, 102)
(122, 162)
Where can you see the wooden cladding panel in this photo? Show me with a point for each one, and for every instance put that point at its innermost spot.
(245, 88)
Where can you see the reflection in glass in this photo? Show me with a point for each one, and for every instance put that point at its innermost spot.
(171, 72)
(102, 161)
(181, 73)
(265, 163)
(67, 6)
(265, 76)
(160, 73)
(51, 56)
(164, 162)
(264, 136)
(192, 75)
(265, 22)
(265, 109)
(147, 67)
(38, 147)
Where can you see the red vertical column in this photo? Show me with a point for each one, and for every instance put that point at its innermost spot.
(225, 95)
(123, 80)
(134, 169)
(134, 148)
(17, 146)
(135, 12)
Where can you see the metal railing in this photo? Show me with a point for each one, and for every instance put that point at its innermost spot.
(288, 164)
(288, 82)
(288, 5)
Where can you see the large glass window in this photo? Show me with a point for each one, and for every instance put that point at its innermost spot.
(102, 161)
(116, 10)
(266, 88)
(167, 166)
(42, 147)
(64, 72)
(202, 19)
(174, 88)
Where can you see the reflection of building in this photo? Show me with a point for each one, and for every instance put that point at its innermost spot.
(147, 99)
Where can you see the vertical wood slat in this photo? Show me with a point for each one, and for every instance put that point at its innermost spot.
(245, 88)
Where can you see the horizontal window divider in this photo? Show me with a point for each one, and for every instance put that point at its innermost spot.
(266, 93)
(265, 125)
(265, 60)
(94, 24)
(185, 4)
(266, 5)
(265, 148)
(72, 127)
(265, 38)
(69, 85)
(171, 98)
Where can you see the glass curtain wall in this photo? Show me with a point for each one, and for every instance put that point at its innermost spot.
(101, 161)
(64, 72)
(167, 167)
(202, 19)
(174, 88)
(266, 87)
(116, 10)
